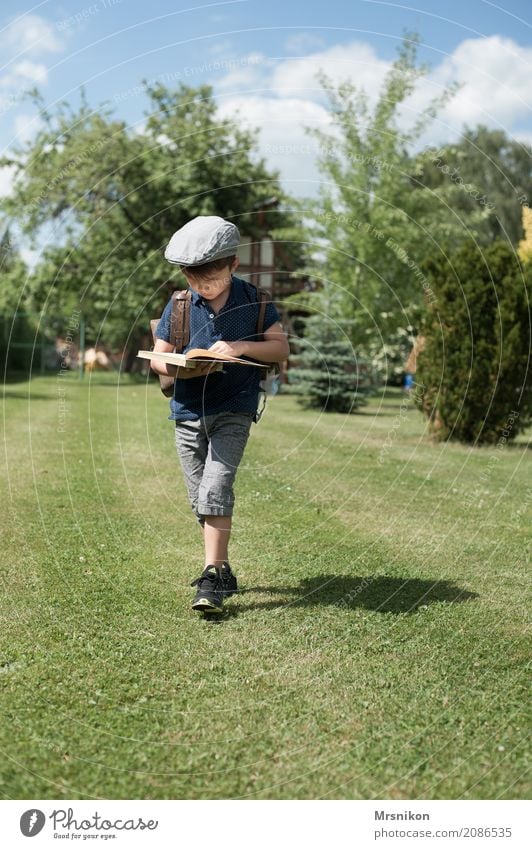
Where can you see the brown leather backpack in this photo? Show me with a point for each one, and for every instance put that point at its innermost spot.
(180, 328)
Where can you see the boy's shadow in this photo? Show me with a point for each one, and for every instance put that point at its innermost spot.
(374, 592)
(8, 395)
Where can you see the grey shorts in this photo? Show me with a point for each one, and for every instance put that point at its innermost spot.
(210, 450)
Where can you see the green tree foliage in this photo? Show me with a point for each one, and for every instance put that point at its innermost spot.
(372, 227)
(475, 366)
(328, 374)
(485, 178)
(110, 197)
(13, 273)
(20, 334)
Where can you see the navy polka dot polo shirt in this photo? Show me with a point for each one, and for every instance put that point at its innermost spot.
(236, 387)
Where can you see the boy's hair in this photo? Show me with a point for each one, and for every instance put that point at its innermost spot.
(207, 269)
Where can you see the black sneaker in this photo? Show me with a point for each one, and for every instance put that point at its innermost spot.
(228, 580)
(210, 593)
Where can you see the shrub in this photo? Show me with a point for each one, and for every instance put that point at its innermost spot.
(328, 373)
(474, 366)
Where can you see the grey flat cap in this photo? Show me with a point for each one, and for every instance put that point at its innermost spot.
(203, 239)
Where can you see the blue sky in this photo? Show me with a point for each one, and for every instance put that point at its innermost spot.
(261, 59)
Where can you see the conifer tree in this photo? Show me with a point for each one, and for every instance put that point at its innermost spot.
(328, 375)
(474, 368)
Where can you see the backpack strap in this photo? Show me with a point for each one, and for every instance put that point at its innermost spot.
(263, 296)
(179, 332)
(180, 319)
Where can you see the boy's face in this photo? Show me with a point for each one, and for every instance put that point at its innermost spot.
(214, 285)
(211, 287)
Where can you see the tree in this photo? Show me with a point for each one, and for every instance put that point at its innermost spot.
(13, 271)
(16, 327)
(486, 177)
(113, 197)
(475, 365)
(328, 374)
(372, 228)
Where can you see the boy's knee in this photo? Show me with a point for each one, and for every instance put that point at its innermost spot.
(216, 496)
(216, 501)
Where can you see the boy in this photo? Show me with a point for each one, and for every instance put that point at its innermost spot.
(213, 407)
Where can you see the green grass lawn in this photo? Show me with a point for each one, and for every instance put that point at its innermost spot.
(378, 649)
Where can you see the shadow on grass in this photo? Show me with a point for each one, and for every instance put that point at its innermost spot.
(374, 592)
(519, 446)
(25, 396)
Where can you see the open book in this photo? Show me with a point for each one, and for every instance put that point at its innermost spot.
(195, 356)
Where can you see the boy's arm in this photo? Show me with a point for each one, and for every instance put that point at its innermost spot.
(174, 371)
(274, 349)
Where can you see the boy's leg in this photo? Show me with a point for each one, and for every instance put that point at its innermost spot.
(192, 446)
(216, 533)
(228, 435)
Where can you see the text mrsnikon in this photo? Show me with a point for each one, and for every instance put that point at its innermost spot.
(401, 815)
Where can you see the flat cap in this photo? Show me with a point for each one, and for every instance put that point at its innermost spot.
(203, 239)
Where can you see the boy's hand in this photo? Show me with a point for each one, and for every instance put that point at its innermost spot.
(230, 349)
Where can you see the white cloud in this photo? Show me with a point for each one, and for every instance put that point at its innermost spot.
(356, 61)
(26, 126)
(494, 74)
(22, 42)
(22, 76)
(30, 34)
(282, 139)
(16, 82)
(244, 72)
(7, 177)
(30, 72)
(292, 100)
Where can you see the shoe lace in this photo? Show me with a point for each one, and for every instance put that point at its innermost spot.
(208, 576)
